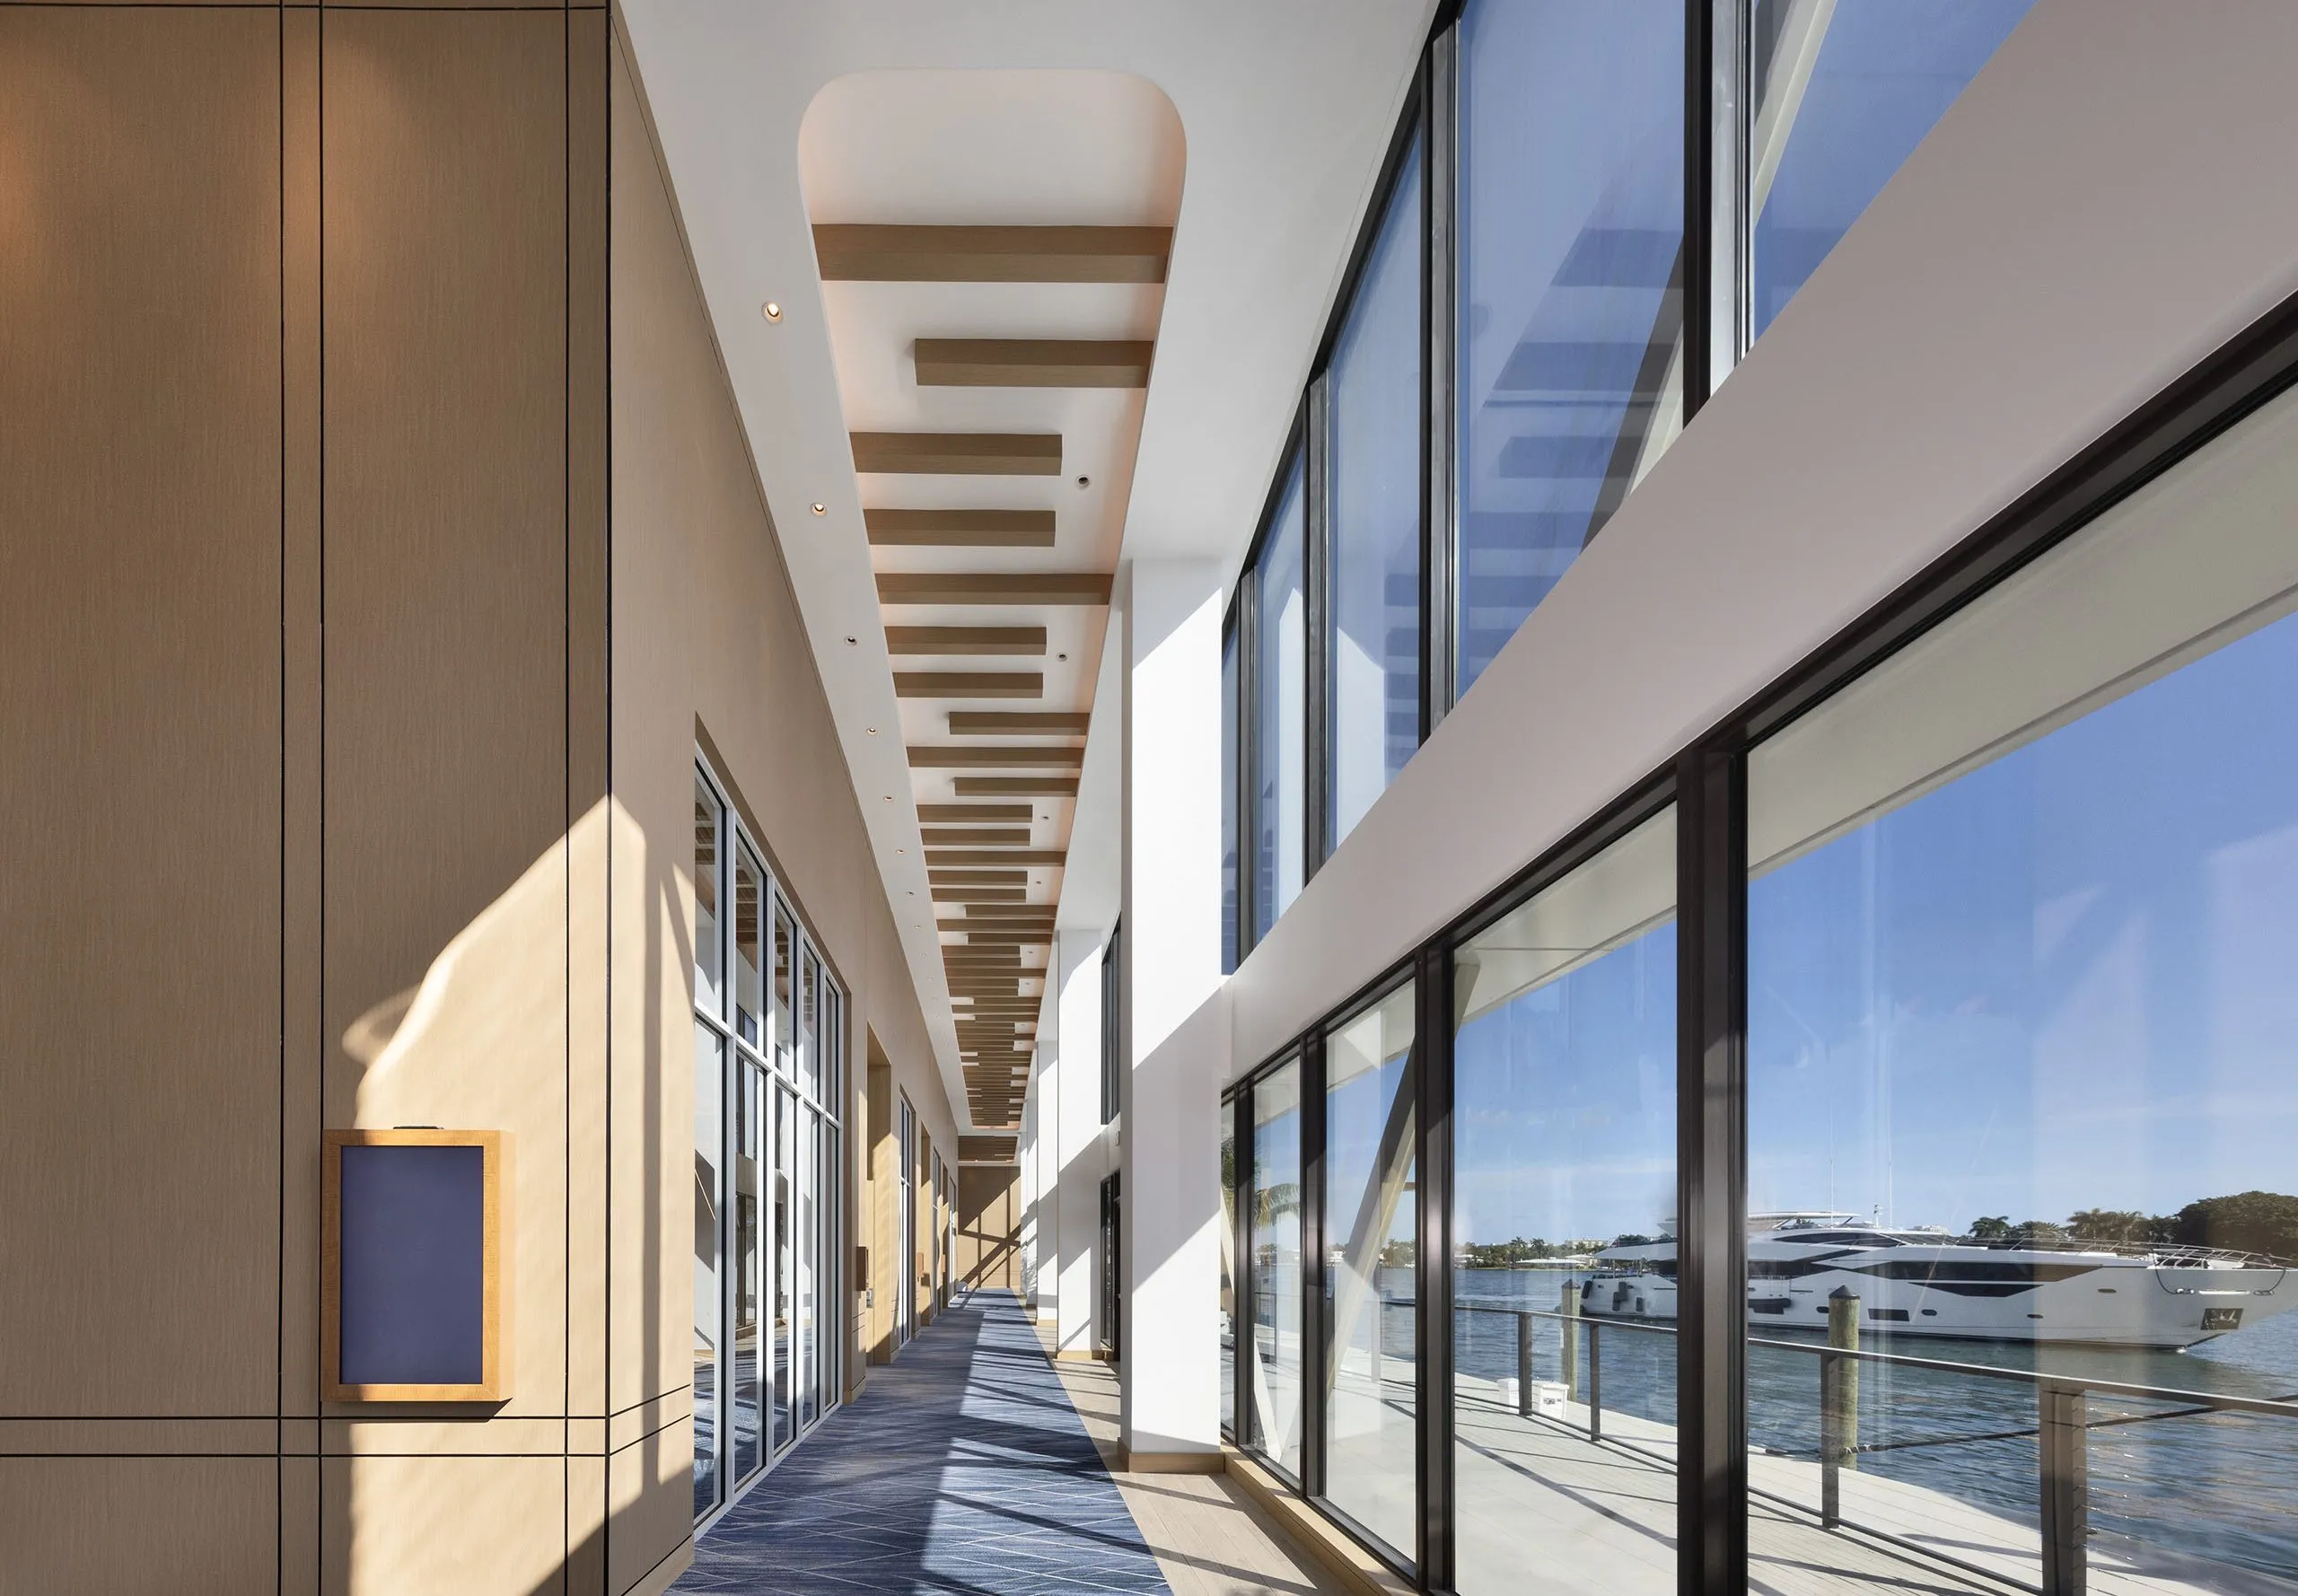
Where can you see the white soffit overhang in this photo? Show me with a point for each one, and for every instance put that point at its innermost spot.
(1285, 108)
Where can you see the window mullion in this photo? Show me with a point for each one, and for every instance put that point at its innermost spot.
(1439, 198)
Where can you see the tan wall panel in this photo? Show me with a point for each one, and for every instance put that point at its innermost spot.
(139, 790)
(650, 1505)
(394, 1526)
(706, 631)
(586, 689)
(201, 1526)
(989, 1226)
(446, 663)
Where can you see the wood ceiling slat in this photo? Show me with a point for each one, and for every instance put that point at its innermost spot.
(1031, 363)
(977, 894)
(968, 684)
(968, 814)
(1012, 786)
(946, 757)
(957, 455)
(977, 836)
(888, 527)
(1027, 723)
(1053, 857)
(876, 252)
(1012, 642)
(994, 587)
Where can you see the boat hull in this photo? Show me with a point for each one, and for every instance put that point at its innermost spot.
(2093, 1299)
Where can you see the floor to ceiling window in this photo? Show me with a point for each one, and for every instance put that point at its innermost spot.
(1280, 771)
(2022, 932)
(1229, 1315)
(1372, 1224)
(1564, 1199)
(769, 1021)
(1468, 434)
(1373, 430)
(1842, 92)
(1570, 378)
(1275, 1366)
(1228, 794)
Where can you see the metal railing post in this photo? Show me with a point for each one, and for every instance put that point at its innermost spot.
(2063, 1448)
(1838, 1404)
(1523, 1365)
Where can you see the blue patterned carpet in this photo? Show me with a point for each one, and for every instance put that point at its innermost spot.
(963, 1467)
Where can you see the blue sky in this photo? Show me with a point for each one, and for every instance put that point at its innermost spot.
(2068, 980)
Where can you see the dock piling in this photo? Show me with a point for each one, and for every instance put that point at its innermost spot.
(1838, 1404)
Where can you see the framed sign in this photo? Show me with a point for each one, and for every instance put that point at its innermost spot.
(412, 1234)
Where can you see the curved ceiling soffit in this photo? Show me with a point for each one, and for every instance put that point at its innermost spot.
(992, 246)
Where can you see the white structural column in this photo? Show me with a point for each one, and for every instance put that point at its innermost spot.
(1081, 1144)
(1171, 948)
(1027, 1233)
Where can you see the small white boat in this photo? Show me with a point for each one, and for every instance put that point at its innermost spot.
(1924, 1282)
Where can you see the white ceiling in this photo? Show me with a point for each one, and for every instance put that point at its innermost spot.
(1285, 108)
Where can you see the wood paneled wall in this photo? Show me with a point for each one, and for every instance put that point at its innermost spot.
(307, 397)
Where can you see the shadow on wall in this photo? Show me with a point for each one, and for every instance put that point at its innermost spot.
(482, 1498)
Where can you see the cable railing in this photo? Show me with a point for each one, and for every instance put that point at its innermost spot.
(2063, 1424)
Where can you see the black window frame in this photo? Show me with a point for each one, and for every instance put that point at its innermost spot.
(1113, 1022)
(1707, 783)
(1715, 333)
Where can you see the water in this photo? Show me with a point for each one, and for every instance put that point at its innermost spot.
(2220, 1486)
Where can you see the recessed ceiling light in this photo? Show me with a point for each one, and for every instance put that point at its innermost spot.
(873, 731)
(850, 641)
(901, 850)
(771, 310)
(821, 508)
(889, 797)
(1085, 482)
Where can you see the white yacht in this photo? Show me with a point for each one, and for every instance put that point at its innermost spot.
(1924, 1282)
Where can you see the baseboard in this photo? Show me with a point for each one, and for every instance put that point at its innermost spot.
(1310, 1529)
(1174, 1462)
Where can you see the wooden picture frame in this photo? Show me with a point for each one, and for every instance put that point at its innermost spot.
(384, 1244)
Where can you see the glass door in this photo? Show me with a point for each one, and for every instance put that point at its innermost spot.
(784, 1259)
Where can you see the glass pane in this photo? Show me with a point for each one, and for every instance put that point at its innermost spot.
(749, 943)
(785, 936)
(1371, 1228)
(1375, 418)
(785, 1258)
(1228, 801)
(749, 1266)
(809, 1038)
(1228, 1269)
(1564, 1148)
(2022, 929)
(1281, 726)
(832, 1287)
(906, 1274)
(1276, 1367)
(709, 1300)
(1843, 92)
(709, 955)
(1571, 235)
(808, 1238)
(833, 1041)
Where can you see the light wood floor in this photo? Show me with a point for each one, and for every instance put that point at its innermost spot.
(1210, 1539)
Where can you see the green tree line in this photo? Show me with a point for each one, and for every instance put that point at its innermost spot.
(2246, 1221)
